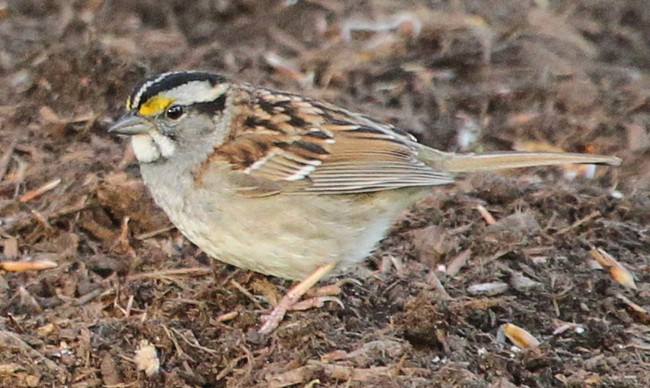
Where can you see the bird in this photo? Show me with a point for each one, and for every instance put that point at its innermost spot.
(283, 184)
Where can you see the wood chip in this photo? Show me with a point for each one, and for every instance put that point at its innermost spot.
(522, 283)
(22, 266)
(493, 288)
(617, 271)
(520, 337)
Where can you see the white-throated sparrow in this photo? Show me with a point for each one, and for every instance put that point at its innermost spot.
(280, 183)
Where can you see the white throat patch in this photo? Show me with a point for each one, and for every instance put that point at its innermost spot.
(149, 147)
(166, 146)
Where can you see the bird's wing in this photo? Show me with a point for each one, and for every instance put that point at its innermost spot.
(285, 143)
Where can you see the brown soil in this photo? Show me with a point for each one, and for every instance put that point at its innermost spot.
(507, 74)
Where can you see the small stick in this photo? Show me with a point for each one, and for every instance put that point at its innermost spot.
(154, 233)
(245, 292)
(28, 196)
(41, 219)
(168, 273)
(96, 293)
(227, 316)
(485, 213)
(581, 221)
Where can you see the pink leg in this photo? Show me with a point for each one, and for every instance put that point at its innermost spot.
(272, 320)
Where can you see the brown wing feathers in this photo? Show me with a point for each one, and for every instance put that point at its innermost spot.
(318, 147)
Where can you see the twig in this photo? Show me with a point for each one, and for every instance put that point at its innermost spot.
(485, 213)
(194, 343)
(227, 316)
(246, 293)
(579, 222)
(179, 350)
(28, 196)
(635, 307)
(86, 298)
(154, 233)
(169, 273)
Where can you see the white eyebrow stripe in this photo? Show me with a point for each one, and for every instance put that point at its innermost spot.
(195, 91)
(146, 85)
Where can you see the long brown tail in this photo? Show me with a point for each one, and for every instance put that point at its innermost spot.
(460, 163)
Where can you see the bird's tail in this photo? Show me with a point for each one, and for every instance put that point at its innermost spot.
(462, 163)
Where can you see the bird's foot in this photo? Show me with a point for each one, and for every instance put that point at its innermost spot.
(291, 301)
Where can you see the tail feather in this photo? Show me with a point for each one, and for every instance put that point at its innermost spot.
(463, 163)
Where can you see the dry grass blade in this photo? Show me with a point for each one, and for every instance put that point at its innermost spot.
(491, 289)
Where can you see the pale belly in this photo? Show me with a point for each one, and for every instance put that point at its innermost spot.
(288, 236)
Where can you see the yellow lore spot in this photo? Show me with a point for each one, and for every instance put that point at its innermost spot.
(155, 105)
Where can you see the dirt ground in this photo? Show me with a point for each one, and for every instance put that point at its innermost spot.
(133, 304)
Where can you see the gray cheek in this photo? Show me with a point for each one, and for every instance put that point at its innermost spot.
(201, 126)
(167, 128)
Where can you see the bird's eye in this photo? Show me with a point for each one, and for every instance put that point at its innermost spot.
(174, 112)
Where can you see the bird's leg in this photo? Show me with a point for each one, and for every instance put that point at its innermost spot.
(316, 297)
(272, 320)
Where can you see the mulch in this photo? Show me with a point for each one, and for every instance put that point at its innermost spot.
(531, 278)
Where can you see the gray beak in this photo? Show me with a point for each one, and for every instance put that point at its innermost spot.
(131, 125)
